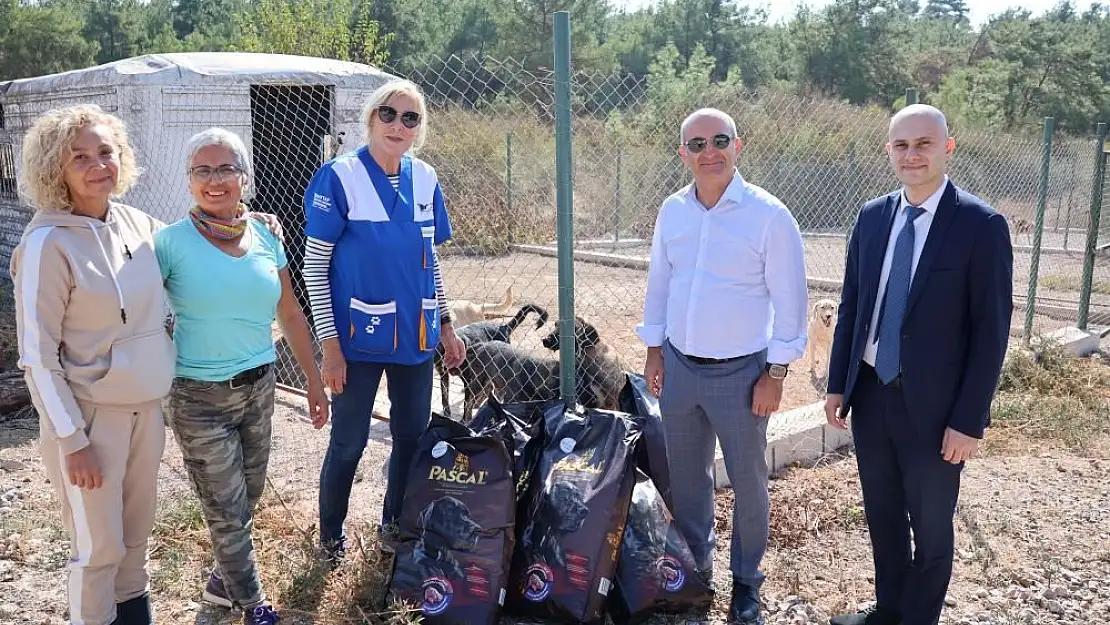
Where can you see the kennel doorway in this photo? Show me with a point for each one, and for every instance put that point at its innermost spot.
(289, 126)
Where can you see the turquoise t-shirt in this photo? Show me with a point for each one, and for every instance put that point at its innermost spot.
(224, 306)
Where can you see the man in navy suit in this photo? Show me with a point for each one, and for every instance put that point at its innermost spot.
(920, 338)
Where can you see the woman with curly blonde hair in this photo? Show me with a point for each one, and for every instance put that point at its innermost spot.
(93, 345)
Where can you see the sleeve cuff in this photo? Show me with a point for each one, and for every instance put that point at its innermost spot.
(74, 442)
(651, 335)
(783, 353)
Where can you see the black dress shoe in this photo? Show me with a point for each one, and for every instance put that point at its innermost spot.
(874, 615)
(744, 608)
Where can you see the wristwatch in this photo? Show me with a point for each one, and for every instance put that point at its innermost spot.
(777, 372)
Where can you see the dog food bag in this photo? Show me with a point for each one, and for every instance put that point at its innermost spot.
(521, 427)
(456, 529)
(651, 457)
(566, 557)
(656, 572)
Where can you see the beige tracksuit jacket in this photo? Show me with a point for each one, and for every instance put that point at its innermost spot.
(91, 310)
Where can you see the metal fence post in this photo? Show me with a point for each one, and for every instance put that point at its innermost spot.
(1038, 229)
(564, 206)
(509, 184)
(1092, 227)
(911, 96)
(617, 200)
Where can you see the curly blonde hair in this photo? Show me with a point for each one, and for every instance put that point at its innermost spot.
(383, 94)
(44, 152)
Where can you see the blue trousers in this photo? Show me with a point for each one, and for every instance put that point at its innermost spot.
(410, 398)
(701, 403)
(907, 485)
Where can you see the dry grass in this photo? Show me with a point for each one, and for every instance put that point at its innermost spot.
(1047, 397)
(293, 575)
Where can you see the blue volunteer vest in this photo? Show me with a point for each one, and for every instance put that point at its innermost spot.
(382, 268)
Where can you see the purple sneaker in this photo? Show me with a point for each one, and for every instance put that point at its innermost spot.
(261, 614)
(214, 591)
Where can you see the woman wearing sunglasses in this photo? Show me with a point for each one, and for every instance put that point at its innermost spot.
(373, 220)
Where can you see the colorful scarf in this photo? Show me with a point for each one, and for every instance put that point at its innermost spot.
(218, 227)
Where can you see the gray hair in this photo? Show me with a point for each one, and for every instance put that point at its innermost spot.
(231, 141)
(707, 112)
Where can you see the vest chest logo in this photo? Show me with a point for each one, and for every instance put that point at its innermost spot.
(424, 209)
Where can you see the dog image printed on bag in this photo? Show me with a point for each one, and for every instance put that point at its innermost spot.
(566, 555)
(456, 529)
(656, 572)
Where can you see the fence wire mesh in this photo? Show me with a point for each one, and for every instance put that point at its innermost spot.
(491, 139)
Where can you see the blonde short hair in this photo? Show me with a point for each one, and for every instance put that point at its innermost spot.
(44, 151)
(382, 95)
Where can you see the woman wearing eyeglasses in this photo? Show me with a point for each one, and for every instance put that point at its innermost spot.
(227, 279)
(373, 219)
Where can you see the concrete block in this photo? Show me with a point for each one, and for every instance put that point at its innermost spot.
(797, 435)
(1080, 343)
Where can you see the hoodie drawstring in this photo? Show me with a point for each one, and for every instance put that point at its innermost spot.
(115, 281)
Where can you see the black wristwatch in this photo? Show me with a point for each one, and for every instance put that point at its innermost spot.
(777, 372)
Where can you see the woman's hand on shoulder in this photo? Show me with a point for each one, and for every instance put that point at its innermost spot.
(272, 223)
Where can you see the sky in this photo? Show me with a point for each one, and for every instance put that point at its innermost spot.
(980, 9)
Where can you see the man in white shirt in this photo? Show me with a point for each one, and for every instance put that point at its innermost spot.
(724, 316)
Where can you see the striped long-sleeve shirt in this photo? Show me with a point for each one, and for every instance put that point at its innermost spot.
(317, 260)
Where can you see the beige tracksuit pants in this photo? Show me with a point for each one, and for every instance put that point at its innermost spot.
(109, 527)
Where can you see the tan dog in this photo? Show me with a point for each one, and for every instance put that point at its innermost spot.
(822, 322)
(465, 311)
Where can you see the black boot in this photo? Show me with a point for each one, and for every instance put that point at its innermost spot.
(135, 611)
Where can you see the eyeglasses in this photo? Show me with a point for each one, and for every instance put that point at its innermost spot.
(409, 119)
(204, 173)
(697, 144)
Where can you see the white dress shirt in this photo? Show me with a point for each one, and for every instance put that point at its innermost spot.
(920, 233)
(727, 281)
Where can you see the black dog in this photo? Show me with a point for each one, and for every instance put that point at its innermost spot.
(599, 375)
(562, 511)
(472, 334)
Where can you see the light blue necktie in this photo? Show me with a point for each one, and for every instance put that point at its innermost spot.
(888, 360)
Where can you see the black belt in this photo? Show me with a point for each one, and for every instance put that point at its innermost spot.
(250, 376)
(895, 383)
(701, 360)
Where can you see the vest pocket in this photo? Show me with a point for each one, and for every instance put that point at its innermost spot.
(374, 327)
(429, 324)
(428, 232)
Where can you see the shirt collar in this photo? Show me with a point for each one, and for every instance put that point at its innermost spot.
(734, 192)
(932, 202)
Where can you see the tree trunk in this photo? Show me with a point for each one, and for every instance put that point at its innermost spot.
(13, 393)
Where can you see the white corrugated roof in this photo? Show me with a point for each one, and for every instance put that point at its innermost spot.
(195, 67)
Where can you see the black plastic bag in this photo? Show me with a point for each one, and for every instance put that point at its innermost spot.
(456, 529)
(651, 456)
(656, 572)
(566, 557)
(521, 428)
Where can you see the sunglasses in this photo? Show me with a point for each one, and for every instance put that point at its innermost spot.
(697, 144)
(409, 119)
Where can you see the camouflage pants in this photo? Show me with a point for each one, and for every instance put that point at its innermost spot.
(224, 436)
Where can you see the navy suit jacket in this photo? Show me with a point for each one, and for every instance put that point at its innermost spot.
(957, 321)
